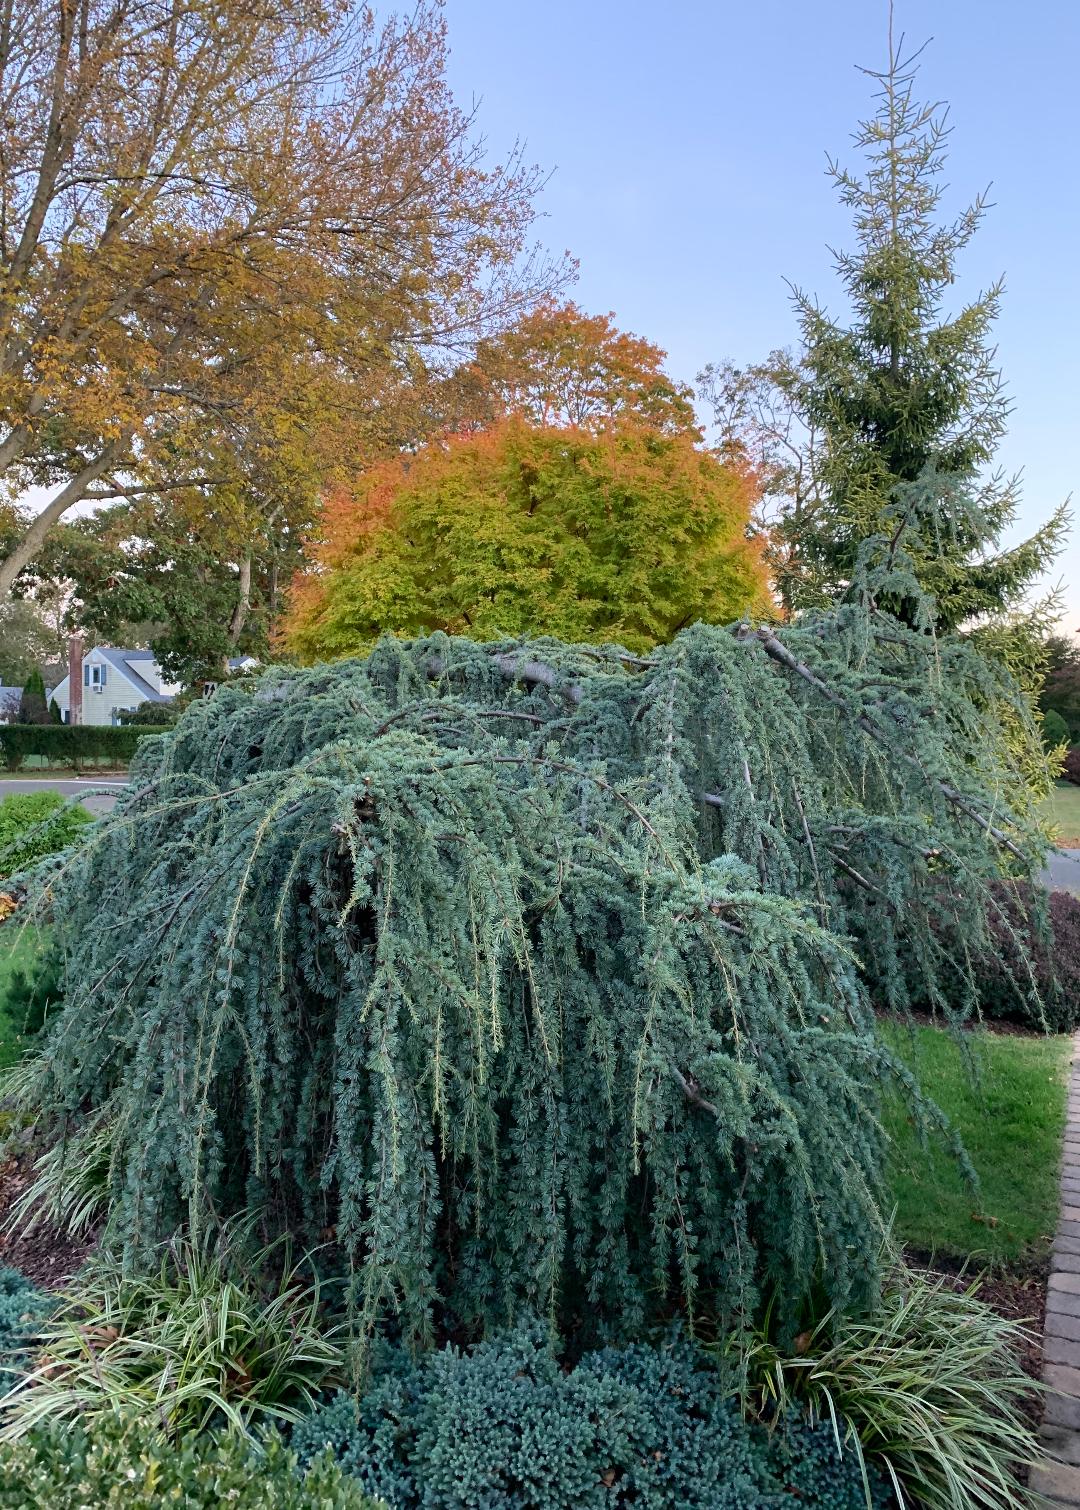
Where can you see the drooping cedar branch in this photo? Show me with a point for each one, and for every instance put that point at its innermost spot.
(539, 673)
(777, 651)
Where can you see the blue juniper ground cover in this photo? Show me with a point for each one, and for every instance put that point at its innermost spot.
(526, 981)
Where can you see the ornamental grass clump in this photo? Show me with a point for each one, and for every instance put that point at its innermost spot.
(926, 1391)
(186, 1344)
(533, 977)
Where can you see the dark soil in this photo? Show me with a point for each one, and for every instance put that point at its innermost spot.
(44, 1255)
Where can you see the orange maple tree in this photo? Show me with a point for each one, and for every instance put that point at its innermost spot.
(557, 365)
(625, 535)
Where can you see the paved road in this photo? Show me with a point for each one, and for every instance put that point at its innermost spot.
(1062, 871)
(70, 787)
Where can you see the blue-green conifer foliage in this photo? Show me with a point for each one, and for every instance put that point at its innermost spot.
(531, 976)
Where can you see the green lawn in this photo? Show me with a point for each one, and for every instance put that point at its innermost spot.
(1011, 1122)
(18, 946)
(1062, 808)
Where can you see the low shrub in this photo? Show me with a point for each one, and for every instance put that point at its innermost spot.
(36, 824)
(115, 1462)
(33, 991)
(184, 1342)
(928, 1389)
(505, 1425)
(1070, 767)
(1054, 729)
(1030, 975)
(22, 1309)
(153, 716)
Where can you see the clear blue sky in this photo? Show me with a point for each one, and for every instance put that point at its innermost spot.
(688, 143)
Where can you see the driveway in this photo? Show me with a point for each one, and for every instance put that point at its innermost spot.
(69, 786)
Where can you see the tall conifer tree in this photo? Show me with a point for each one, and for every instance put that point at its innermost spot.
(877, 438)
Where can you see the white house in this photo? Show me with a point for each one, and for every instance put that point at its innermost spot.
(114, 682)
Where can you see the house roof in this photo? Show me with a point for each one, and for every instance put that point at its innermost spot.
(122, 659)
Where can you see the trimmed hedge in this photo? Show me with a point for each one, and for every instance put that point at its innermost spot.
(124, 1463)
(1022, 954)
(71, 745)
(655, 1428)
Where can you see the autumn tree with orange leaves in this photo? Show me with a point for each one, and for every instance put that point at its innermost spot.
(232, 233)
(558, 365)
(622, 536)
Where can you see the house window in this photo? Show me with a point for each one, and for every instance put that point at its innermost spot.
(94, 676)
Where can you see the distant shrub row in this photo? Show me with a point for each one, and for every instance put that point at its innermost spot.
(1036, 944)
(73, 746)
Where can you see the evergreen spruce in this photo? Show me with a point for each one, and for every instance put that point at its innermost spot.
(876, 438)
(532, 976)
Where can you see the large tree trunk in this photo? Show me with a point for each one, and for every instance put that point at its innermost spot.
(68, 496)
(243, 603)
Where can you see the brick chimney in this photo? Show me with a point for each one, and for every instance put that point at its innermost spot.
(75, 676)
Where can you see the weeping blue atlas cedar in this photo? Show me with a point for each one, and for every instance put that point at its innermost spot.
(533, 977)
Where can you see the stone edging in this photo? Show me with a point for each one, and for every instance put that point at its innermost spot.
(1058, 1478)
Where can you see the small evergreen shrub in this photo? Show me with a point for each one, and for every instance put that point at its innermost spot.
(34, 992)
(22, 1309)
(32, 708)
(504, 1425)
(1070, 769)
(36, 824)
(1055, 729)
(117, 1463)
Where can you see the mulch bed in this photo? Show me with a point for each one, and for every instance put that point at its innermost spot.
(44, 1255)
(997, 1025)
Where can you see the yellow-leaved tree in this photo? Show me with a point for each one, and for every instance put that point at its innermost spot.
(231, 231)
(623, 535)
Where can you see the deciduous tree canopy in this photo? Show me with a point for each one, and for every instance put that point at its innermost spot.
(625, 535)
(560, 366)
(228, 230)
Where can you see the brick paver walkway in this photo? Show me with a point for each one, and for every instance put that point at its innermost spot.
(1059, 1477)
